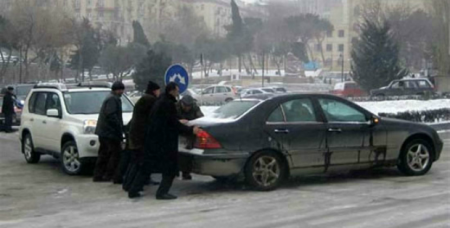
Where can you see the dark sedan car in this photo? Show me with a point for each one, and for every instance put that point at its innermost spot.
(268, 140)
(405, 87)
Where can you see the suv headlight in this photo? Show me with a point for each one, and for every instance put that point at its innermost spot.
(89, 127)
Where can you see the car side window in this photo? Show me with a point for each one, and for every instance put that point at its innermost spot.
(53, 102)
(209, 90)
(299, 110)
(39, 107)
(32, 102)
(423, 84)
(228, 89)
(257, 92)
(276, 116)
(221, 89)
(336, 111)
(410, 85)
(396, 85)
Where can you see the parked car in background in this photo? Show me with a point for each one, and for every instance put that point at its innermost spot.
(268, 140)
(267, 89)
(134, 96)
(217, 94)
(61, 122)
(279, 89)
(347, 89)
(404, 87)
(255, 91)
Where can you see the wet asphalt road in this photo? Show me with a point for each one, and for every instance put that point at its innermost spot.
(42, 196)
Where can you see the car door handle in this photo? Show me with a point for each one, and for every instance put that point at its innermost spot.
(281, 131)
(44, 122)
(31, 120)
(337, 130)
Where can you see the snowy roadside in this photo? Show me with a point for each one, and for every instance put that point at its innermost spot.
(377, 107)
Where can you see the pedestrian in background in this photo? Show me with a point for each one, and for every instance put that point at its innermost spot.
(110, 131)
(188, 110)
(8, 109)
(161, 142)
(138, 171)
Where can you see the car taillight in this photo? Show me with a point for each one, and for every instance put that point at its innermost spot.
(206, 141)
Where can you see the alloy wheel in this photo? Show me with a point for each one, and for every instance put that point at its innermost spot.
(266, 170)
(28, 148)
(418, 157)
(71, 159)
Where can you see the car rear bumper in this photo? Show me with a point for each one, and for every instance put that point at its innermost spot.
(215, 164)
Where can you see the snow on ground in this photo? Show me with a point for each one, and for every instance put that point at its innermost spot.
(404, 105)
(377, 107)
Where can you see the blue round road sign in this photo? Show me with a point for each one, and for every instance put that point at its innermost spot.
(176, 73)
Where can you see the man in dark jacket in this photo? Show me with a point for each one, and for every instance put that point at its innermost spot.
(8, 109)
(110, 133)
(161, 144)
(187, 110)
(138, 127)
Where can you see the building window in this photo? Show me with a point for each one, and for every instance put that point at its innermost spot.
(318, 47)
(329, 47)
(329, 33)
(341, 47)
(341, 33)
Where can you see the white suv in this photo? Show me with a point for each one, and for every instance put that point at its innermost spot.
(61, 121)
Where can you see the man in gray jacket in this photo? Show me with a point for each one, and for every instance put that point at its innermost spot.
(110, 133)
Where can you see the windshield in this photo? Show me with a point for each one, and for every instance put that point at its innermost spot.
(90, 102)
(234, 109)
(22, 91)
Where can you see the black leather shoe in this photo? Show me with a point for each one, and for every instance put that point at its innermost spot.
(133, 195)
(166, 197)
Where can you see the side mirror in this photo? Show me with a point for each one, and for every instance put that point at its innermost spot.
(53, 113)
(374, 120)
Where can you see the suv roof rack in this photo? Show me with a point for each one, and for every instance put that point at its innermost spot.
(95, 84)
(58, 86)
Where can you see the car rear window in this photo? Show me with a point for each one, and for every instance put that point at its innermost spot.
(234, 109)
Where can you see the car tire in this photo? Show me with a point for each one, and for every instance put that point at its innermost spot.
(265, 171)
(228, 100)
(31, 156)
(70, 159)
(380, 97)
(416, 158)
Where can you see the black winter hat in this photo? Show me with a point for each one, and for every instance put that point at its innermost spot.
(151, 86)
(118, 86)
(187, 100)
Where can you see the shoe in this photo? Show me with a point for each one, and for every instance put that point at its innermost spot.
(133, 195)
(187, 177)
(166, 196)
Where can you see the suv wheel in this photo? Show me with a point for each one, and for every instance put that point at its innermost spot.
(70, 159)
(28, 150)
(265, 171)
(416, 158)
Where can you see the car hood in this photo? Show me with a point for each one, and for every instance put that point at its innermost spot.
(126, 117)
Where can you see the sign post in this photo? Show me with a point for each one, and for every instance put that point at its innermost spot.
(178, 74)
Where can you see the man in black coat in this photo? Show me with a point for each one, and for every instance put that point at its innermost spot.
(138, 171)
(110, 133)
(8, 109)
(161, 144)
(188, 110)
